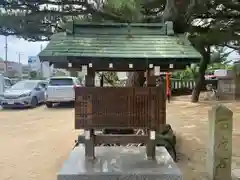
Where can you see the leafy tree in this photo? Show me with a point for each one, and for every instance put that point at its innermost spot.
(191, 72)
(33, 75)
(218, 61)
(59, 72)
(109, 78)
(205, 22)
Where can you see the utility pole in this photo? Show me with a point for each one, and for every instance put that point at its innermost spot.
(20, 64)
(6, 56)
(41, 65)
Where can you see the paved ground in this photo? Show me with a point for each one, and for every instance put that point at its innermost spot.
(35, 142)
(190, 122)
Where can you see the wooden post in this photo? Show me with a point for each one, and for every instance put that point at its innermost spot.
(219, 150)
(151, 146)
(89, 133)
(168, 91)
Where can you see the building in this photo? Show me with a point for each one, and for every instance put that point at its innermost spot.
(13, 68)
(2, 66)
(42, 68)
(25, 70)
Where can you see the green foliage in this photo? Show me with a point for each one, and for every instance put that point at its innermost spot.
(109, 78)
(192, 72)
(216, 23)
(218, 61)
(207, 23)
(33, 74)
(129, 11)
(187, 74)
(59, 73)
(236, 69)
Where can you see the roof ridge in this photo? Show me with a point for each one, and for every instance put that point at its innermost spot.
(113, 24)
(77, 27)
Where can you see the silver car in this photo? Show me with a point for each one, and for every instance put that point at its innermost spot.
(6, 84)
(26, 93)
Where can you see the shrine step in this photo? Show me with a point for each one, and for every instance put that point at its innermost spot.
(119, 163)
(120, 139)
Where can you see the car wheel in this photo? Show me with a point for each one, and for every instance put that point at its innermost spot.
(49, 105)
(34, 102)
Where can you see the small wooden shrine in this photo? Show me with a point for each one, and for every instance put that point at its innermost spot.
(120, 47)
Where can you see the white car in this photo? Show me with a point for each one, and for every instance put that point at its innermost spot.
(61, 89)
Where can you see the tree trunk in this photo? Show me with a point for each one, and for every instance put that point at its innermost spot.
(136, 79)
(201, 75)
(170, 12)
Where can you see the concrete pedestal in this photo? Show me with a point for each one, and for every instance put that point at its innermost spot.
(115, 163)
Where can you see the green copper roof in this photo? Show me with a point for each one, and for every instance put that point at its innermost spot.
(120, 41)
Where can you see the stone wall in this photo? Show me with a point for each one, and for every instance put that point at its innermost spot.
(226, 89)
(229, 87)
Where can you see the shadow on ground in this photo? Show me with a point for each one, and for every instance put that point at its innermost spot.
(18, 108)
(55, 107)
(62, 106)
(191, 160)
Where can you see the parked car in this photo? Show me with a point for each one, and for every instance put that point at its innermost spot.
(26, 93)
(44, 83)
(61, 89)
(5, 83)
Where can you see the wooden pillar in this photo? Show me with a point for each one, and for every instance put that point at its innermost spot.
(219, 150)
(89, 133)
(151, 146)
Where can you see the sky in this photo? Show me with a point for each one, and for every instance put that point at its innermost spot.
(26, 49)
(16, 46)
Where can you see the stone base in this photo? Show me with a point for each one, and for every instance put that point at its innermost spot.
(115, 163)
